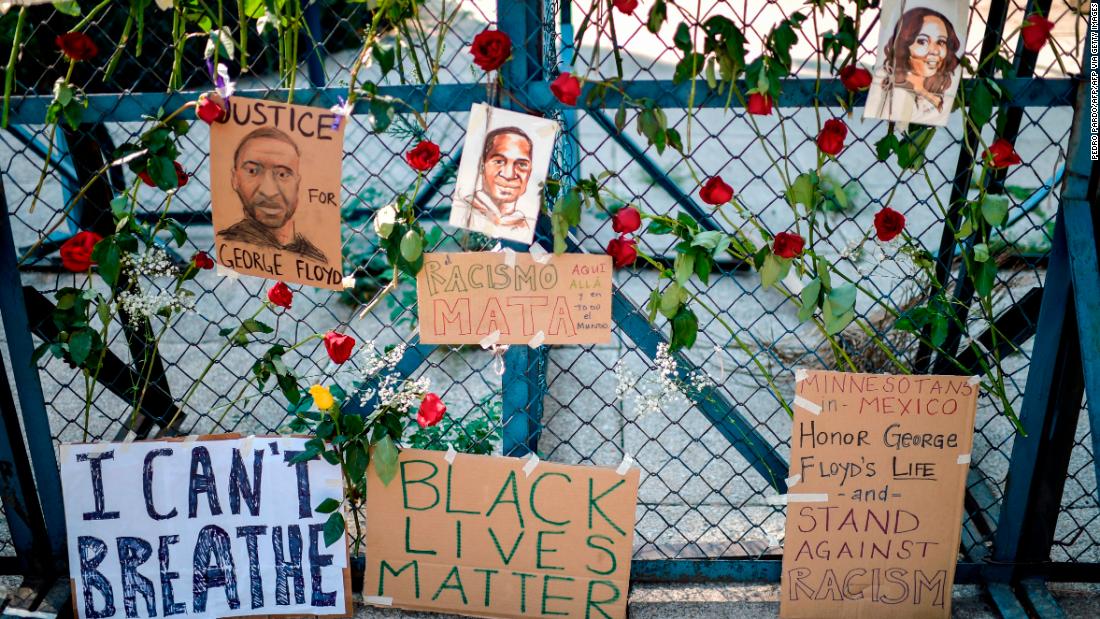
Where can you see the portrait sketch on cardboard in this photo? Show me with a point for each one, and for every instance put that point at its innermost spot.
(505, 160)
(918, 64)
(275, 191)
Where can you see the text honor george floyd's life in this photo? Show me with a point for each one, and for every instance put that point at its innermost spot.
(499, 183)
(275, 189)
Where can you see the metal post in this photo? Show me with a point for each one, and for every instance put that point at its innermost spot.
(314, 53)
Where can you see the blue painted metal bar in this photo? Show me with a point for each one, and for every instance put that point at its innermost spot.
(314, 53)
(797, 92)
(32, 403)
(640, 157)
(1037, 596)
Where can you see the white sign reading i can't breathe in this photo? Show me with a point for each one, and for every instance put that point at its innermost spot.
(201, 528)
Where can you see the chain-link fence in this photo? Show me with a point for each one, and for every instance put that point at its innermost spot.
(705, 461)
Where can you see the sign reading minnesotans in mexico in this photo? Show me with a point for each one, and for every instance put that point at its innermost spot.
(500, 537)
(275, 191)
(875, 498)
(462, 298)
(201, 528)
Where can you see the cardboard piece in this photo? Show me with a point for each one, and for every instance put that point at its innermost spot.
(918, 64)
(479, 537)
(873, 528)
(132, 503)
(275, 173)
(464, 297)
(505, 159)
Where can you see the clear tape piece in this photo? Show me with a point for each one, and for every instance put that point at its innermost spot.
(537, 340)
(800, 374)
(451, 453)
(378, 600)
(793, 497)
(793, 479)
(532, 462)
(624, 466)
(963, 459)
(807, 405)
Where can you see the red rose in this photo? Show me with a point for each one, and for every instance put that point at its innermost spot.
(831, 138)
(339, 346)
(566, 88)
(77, 45)
(1000, 154)
(715, 191)
(626, 220)
(202, 260)
(888, 224)
(491, 49)
(431, 411)
(280, 295)
(855, 78)
(1036, 32)
(181, 176)
(622, 251)
(210, 111)
(423, 156)
(626, 6)
(76, 253)
(759, 104)
(787, 245)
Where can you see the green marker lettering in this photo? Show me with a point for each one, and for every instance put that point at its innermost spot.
(605, 549)
(515, 498)
(534, 489)
(457, 586)
(385, 567)
(488, 582)
(594, 504)
(546, 578)
(590, 603)
(406, 482)
(539, 550)
(450, 469)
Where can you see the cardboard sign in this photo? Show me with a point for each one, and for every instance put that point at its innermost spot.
(875, 497)
(201, 528)
(275, 192)
(500, 537)
(463, 298)
(505, 159)
(919, 61)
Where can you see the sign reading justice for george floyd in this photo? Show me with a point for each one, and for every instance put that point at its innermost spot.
(275, 191)
(201, 528)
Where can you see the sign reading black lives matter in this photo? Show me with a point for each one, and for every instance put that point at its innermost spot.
(275, 191)
(202, 528)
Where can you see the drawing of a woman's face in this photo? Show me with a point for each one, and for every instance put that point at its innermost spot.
(929, 48)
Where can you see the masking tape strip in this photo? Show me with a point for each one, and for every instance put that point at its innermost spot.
(800, 375)
(97, 448)
(785, 499)
(793, 479)
(540, 255)
(19, 612)
(190, 438)
(974, 380)
(963, 459)
(224, 271)
(451, 453)
(490, 340)
(807, 405)
(509, 257)
(246, 443)
(537, 340)
(348, 282)
(773, 541)
(624, 466)
(532, 462)
(378, 600)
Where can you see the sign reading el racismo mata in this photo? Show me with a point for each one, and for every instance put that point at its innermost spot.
(275, 190)
(875, 498)
(490, 536)
(464, 297)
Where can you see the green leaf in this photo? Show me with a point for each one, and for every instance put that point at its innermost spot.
(809, 296)
(80, 344)
(658, 227)
(657, 15)
(412, 245)
(357, 459)
(386, 56)
(108, 258)
(986, 277)
(710, 239)
(980, 103)
(684, 266)
(688, 68)
(334, 528)
(671, 299)
(772, 271)
(836, 324)
(843, 298)
(995, 209)
(802, 190)
(385, 459)
(163, 172)
(981, 252)
(68, 7)
(685, 328)
(682, 39)
(328, 506)
(885, 146)
(620, 118)
(939, 330)
(251, 325)
(674, 139)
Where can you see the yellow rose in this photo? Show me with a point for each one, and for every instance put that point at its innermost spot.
(321, 397)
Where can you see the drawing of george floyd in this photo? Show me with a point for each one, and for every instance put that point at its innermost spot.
(919, 65)
(503, 169)
(275, 187)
